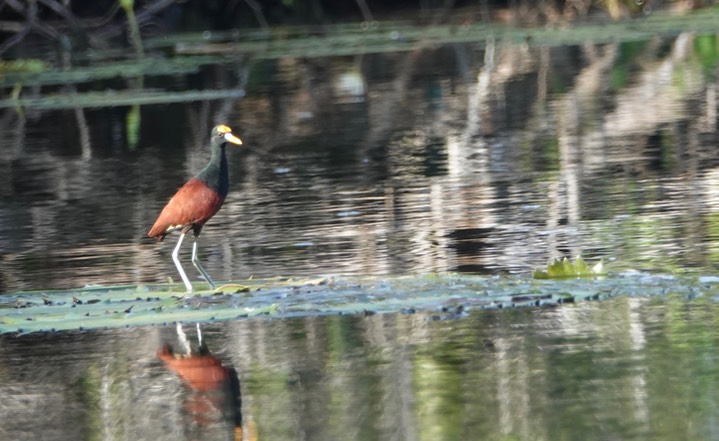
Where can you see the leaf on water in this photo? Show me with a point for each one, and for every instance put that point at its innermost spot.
(273, 308)
(564, 268)
(317, 282)
(232, 288)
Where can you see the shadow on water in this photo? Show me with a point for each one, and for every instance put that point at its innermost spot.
(618, 369)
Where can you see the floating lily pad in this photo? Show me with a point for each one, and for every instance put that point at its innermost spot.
(449, 294)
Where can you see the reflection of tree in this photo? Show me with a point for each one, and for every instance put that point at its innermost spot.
(526, 374)
(451, 220)
(471, 156)
(615, 369)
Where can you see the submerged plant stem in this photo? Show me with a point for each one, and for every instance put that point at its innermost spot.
(135, 38)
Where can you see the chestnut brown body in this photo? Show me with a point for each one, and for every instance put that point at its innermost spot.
(197, 201)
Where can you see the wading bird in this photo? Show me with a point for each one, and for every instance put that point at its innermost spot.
(197, 201)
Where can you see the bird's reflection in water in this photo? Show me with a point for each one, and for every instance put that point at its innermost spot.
(213, 401)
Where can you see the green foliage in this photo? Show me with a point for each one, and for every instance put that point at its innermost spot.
(564, 268)
(29, 65)
(707, 49)
(132, 126)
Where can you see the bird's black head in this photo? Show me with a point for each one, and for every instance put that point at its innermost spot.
(222, 134)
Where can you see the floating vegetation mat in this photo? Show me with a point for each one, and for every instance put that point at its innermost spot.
(448, 295)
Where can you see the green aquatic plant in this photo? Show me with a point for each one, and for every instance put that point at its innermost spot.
(564, 268)
(441, 295)
(129, 7)
(28, 65)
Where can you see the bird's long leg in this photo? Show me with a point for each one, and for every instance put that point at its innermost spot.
(175, 259)
(183, 339)
(196, 262)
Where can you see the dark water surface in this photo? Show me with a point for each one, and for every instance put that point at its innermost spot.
(475, 157)
(624, 369)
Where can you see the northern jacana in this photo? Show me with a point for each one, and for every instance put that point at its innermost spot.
(197, 201)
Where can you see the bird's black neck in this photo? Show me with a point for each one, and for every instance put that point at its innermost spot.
(214, 175)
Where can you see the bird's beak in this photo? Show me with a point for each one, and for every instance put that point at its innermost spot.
(229, 137)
